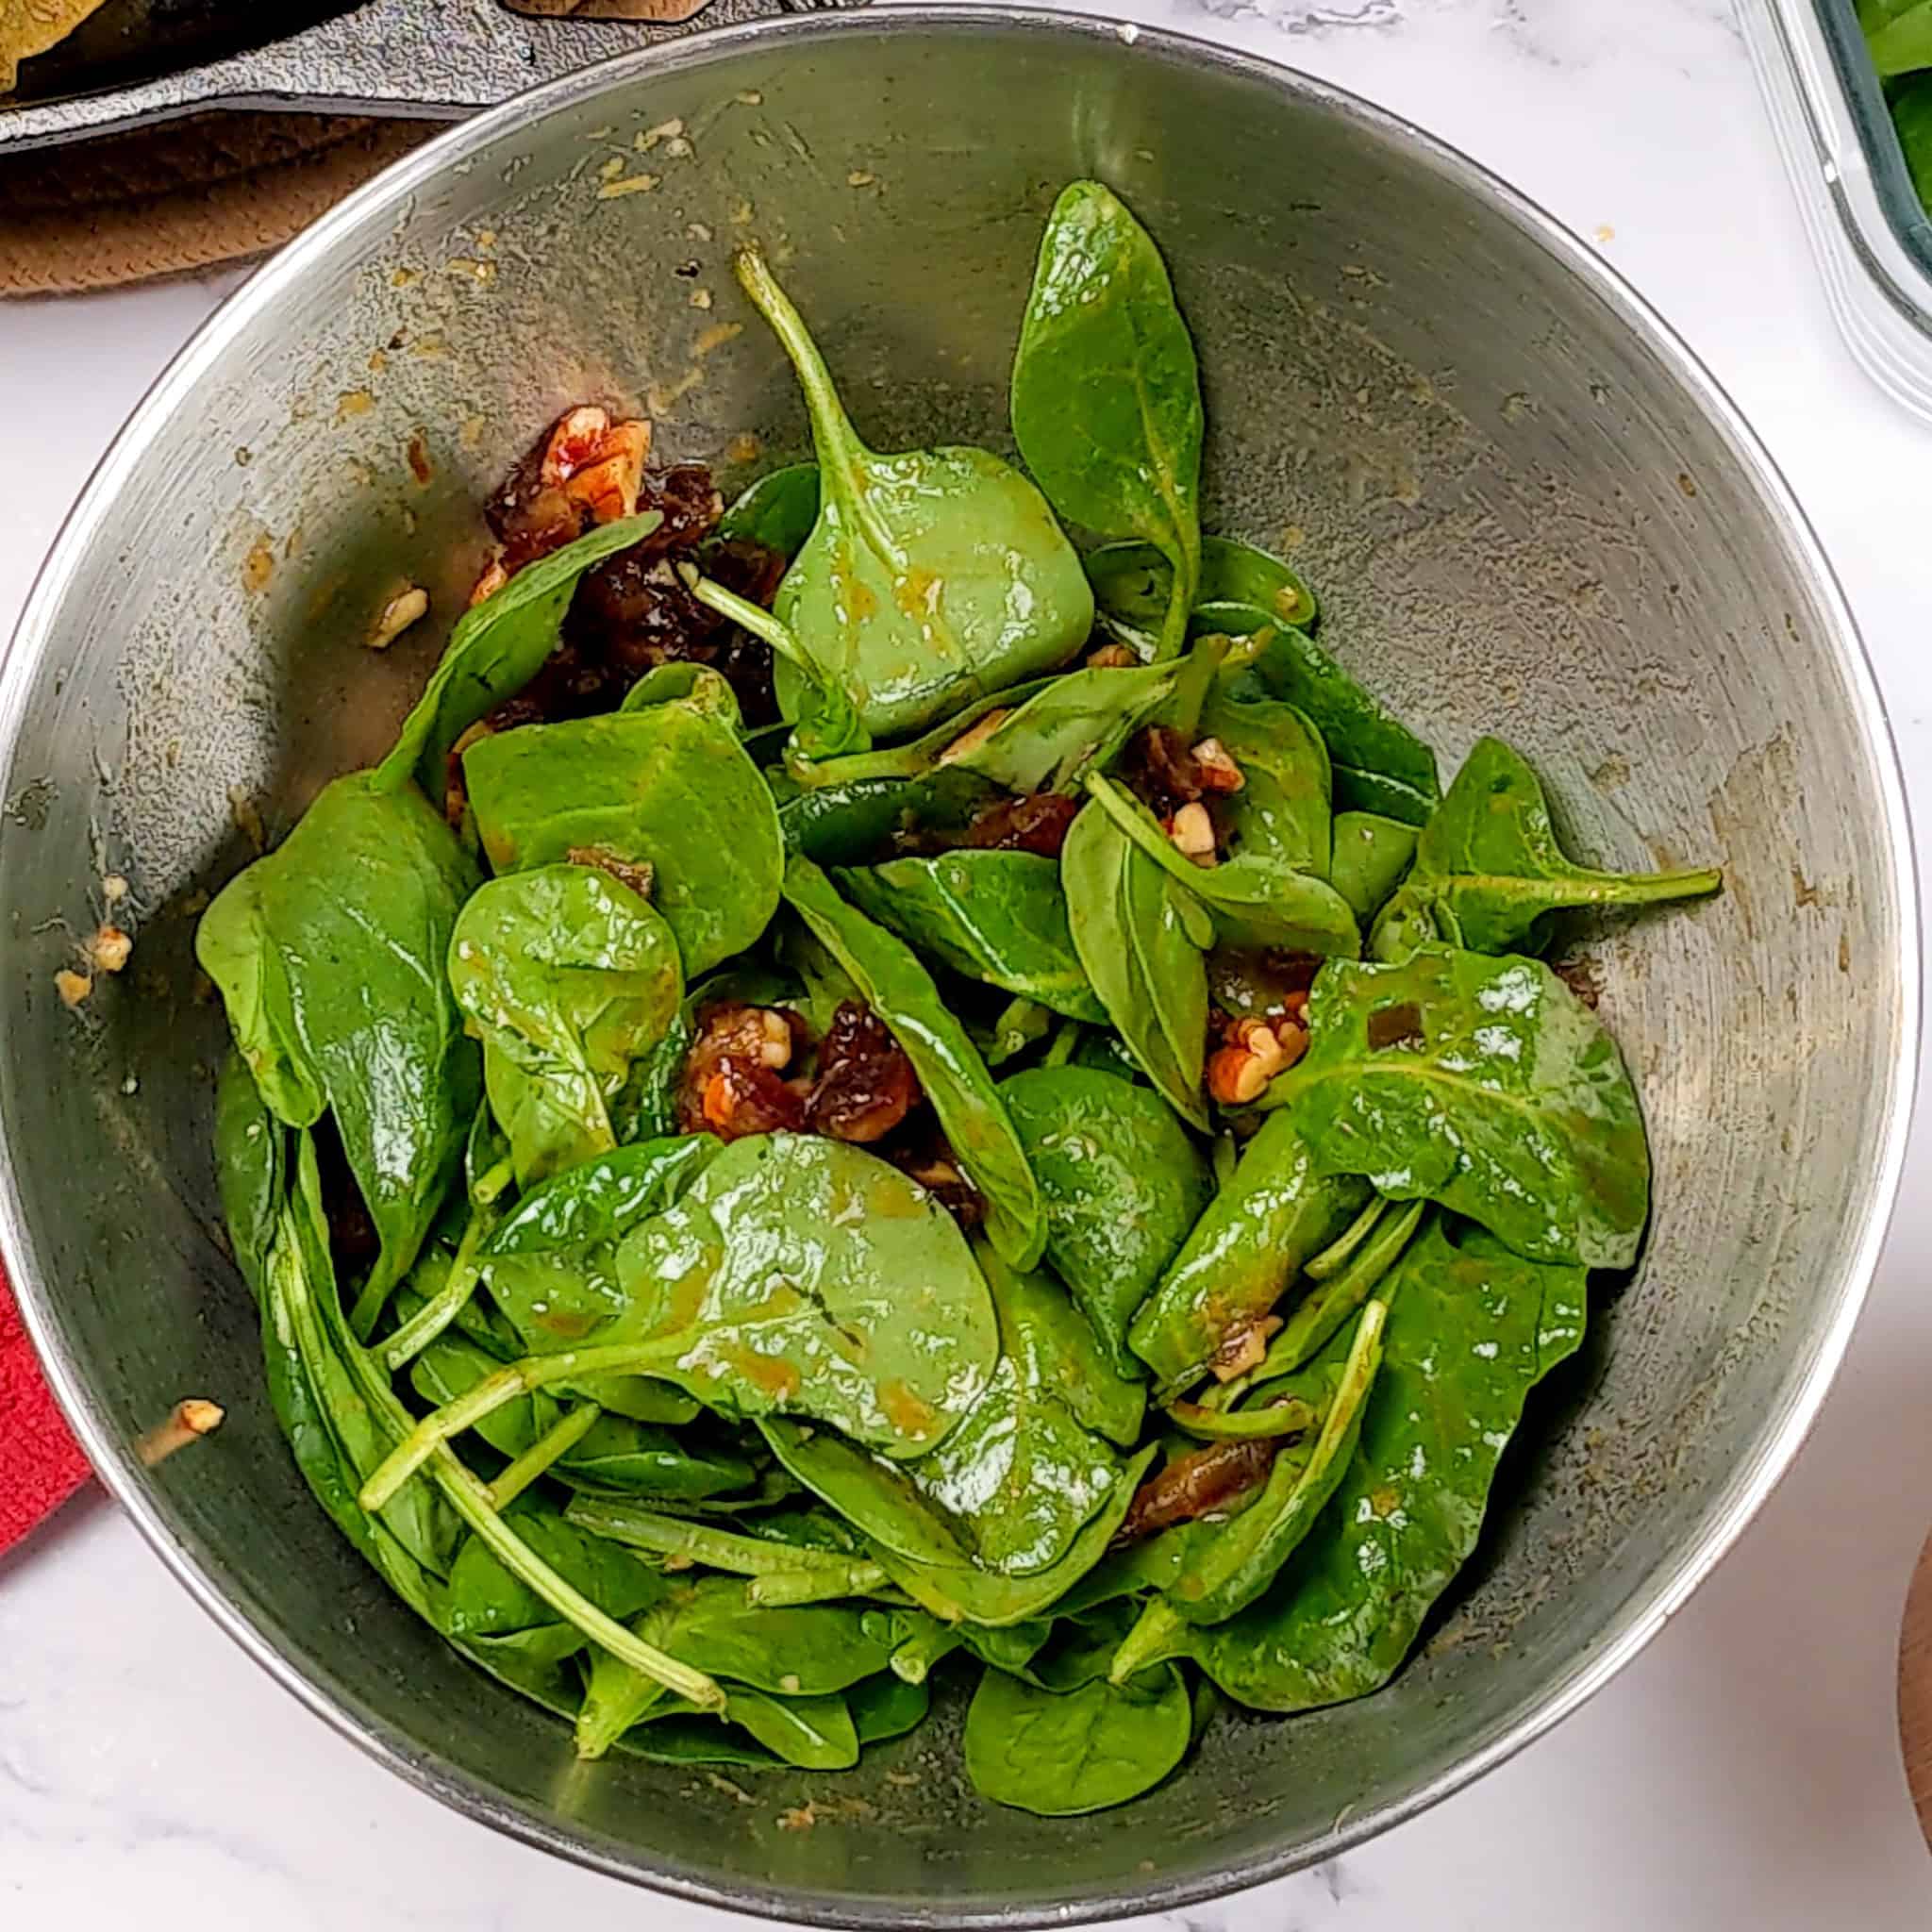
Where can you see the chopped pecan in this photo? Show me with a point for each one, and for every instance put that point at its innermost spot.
(1255, 1052)
(733, 1082)
(1159, 768)
(1245, 1348)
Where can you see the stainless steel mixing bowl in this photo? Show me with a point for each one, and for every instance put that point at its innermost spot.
(1526, 508)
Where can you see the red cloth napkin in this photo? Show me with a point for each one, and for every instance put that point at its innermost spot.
(41, 1463)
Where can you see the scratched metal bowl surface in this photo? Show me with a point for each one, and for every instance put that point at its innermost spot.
(1528, 510)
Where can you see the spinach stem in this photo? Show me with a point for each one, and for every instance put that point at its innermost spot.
(1331, 1302)
(464, 1493)
(781, 1588)
(839, 450)
(1152, 1638)
(1065, 1042)
(484, 1398)
(1220, 1424)
(555, 1442)
(444, 1305)
(1342, 1249)
(700, 1542)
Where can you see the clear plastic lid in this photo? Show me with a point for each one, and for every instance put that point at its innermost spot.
(1869, 231)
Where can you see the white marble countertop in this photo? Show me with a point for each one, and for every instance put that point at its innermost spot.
(1744, 1771)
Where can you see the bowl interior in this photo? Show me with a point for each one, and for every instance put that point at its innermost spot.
(1524, 513)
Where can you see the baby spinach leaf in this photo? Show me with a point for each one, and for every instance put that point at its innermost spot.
(1489, 872)
(1133, 586)
(809, 1651)
(551, 1264)
(857, 823)
(899, 989)
(888, 1705)
(1380, 764)
(487, 1599)
(1371, 855)
(778, 511)
(1225, 1572)
(1107, 396)
(1062, 1754)
(804, 1276)
(1124, 1185)
(328, 956)
(1471, 1328)
(567, 975)
(994, 916)
(681, 682)
(250, 1169)
(1038, 737)
(1898, 36)
(644, 787)
(1022, 1474)
(1141, 940)
(930, 577)
(1484, 1084)
(1280, 1207)
(1255, 900)
(1281, 814)
(496, 648)
(922, 1550)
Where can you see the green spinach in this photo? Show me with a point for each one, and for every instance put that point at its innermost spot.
(1123, 1186)
(1471, 1328)
(1063, 1752)
(1489, 872)
(1106, 393)
(993, 916)
(1133, 587)
(1484, 1084)
(328, 957)
(567, 977)
(930, 577)
(649, 787)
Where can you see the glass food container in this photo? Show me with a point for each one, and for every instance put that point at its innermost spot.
(1871, 234)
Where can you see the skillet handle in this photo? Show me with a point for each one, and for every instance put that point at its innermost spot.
(438, 60)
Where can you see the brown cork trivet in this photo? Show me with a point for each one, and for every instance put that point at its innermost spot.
(185, 195)
(1915, 1688)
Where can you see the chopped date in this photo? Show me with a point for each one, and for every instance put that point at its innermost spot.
(866, 1085)
(1198, 1484)
(1037, 823)
(1160, 769)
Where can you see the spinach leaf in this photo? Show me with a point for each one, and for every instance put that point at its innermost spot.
(899, 989)
(1141, 938)
(1898, 36)
(1038, 737)
(250, 1169)
(930, 577)
(1225, 1570)
(778, 511)
(1371, 855)
(1489, 872)
(1280, 1207)
(681, 682)
(1253, 900)
(644, 787)
(1106, 395)
(496, 648)
(1013, 1485)
(1484, 1084)
(1123, 1186)
(888, 1705)
(1062, 1754)
(1281, 814)
(803, 1275)
(1911, 114)
(1471, 1328)
(1329, 1300)
(858, 823)
(1133, 586)
(813, 1733)
(923, 1550)
(994, 916)
(1380, 764)
(488, 1599)
(328, 956)
(810, 1650)
(551, 1264)
(567, 975)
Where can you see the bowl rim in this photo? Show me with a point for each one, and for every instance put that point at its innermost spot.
(1647, 1607)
